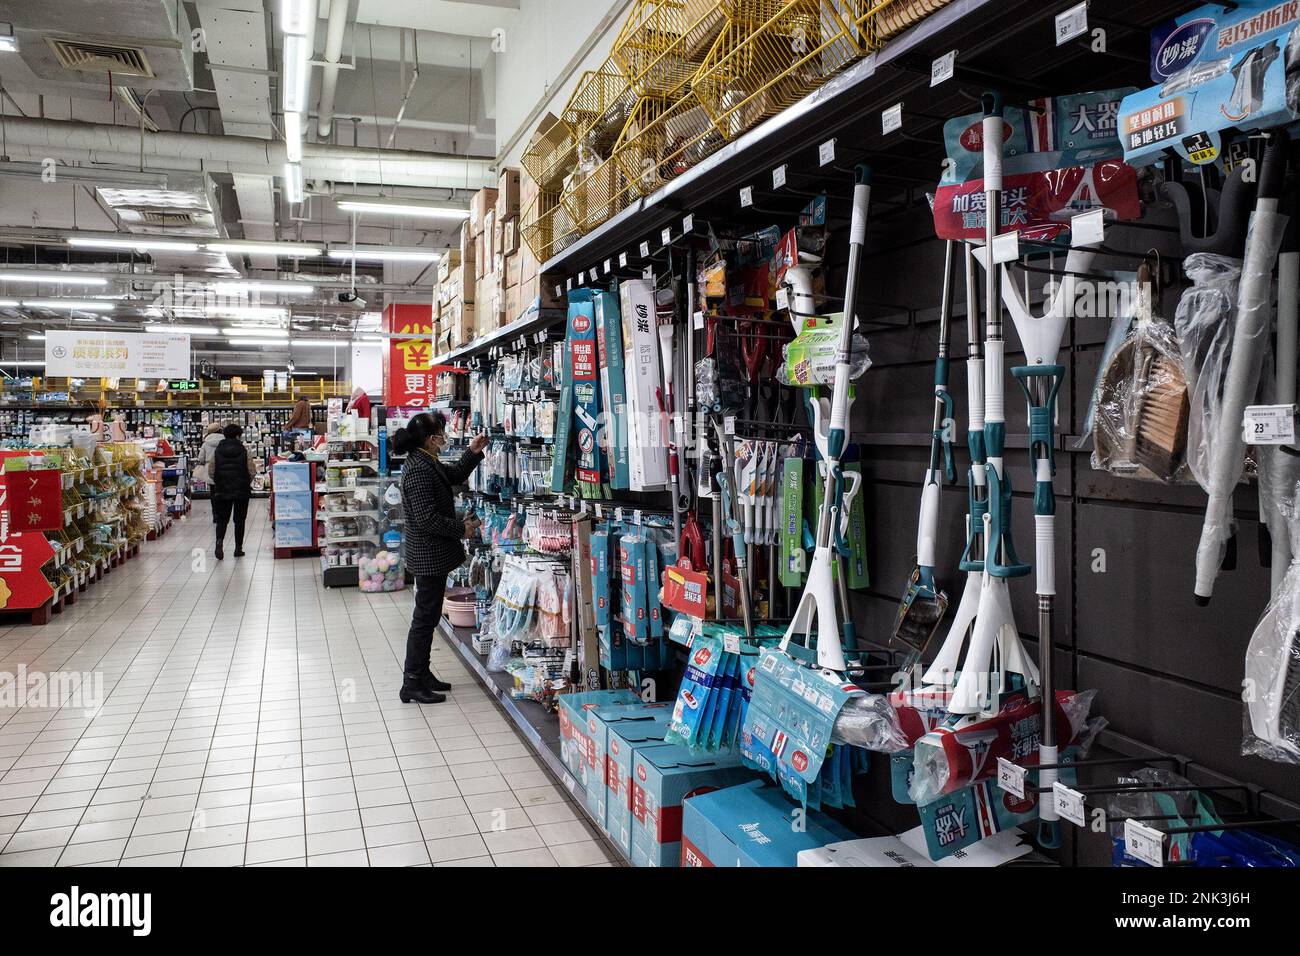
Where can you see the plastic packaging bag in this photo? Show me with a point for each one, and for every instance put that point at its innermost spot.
(1271, 689)
(870, 723)
(810, 357)
(1140, 424)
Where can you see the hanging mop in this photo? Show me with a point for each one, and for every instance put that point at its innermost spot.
(1242, 375)
(924, 603)
(823, 607)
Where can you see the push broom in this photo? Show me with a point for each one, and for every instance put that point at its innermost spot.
(821, 604)
(924, 604)
(1248, 346)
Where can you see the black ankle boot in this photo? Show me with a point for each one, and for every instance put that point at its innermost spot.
(221, 551)
(414, 689)
(239, 552)
(435, 685)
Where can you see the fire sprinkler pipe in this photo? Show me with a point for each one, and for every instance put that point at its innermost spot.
(334, 31)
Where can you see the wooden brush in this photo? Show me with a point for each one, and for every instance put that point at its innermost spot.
(1162, 419)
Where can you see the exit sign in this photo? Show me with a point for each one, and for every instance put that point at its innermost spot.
(183, 385)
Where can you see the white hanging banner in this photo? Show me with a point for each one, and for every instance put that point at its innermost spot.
(99, 354)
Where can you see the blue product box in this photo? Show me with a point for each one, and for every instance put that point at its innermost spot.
(626, 738)
(751, 825)
(291, 477)
(574, 741)
(294, 534)
(609, 341)
(663, 777)
(599, 722)
(294, 506)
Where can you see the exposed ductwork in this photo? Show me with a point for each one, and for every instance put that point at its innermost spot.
(338, 21)
(29, 137)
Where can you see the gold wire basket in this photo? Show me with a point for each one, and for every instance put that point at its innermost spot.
(752, 74)
(598, 108)
(547, 227)
(663, 42)
(883, 19)
(664, 138)
(598, 195)
(551, 157)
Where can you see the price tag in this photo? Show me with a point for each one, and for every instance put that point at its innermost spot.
(731, 643)
(636, 516)
(892, 119)
(1011, 778)
(1144, 843)
(568, 285)
(746, 196)
(1072, 23)
(1268, 425)
(1069, 804)
(1088, 228)
(600, 512)
(622, 260)
(782, 299)
(778, 176)
(688, 224)
(942, 69)
(826, 153)
(648, 273)
(618, 513)
(609, 266)
(729, 425)
(645, 250)
(666, 236)
(699, 322)
(1006, 247)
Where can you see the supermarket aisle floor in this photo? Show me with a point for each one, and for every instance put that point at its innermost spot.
(250, 716)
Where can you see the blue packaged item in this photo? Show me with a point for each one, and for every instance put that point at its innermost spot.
(663, 777)
(1217, 69)
(576, 746)
(294, 506)
(599, 722)
(692, 715)
(750, 825)
(624, 738)
(295, 534)
(291, 477)
(613, 386)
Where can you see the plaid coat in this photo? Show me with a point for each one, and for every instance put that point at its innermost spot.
(432, 532)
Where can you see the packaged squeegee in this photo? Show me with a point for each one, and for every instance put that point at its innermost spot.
(613, 390)
(647, 454)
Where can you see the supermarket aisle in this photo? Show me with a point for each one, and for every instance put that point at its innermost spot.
(249, 716)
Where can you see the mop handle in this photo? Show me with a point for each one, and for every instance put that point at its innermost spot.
(972, 558)
(941, 438)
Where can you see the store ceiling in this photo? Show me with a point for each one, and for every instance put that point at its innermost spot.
(148, 119)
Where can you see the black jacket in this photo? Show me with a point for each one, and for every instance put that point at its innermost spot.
(230, 471)
(433, 532)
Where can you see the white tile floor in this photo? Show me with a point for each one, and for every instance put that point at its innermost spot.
(250, 717)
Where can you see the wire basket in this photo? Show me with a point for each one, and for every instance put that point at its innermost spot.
(664, 138)
(598, 195)
(663, 42)
(598, 108)
(551, 157)
(752, 74)
(883, 19)
(547, 227)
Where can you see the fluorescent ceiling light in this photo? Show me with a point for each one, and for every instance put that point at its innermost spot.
(75, 305)
(324, 343)
(8, 303)
(289, 288)
(184, 329)
(35, 338)
(62, 278)
(294, 249)
(293, 76)
(247, 312)
(429, 209)
(293, 191)
(386, 254)
(9, 363)
(142, 244)
(374, 338)
(294, 14)
(260, 333)
(260, 343)
(293, 136)
(8, 43)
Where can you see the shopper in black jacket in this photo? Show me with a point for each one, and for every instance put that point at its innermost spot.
(231, 472)
(432, 539)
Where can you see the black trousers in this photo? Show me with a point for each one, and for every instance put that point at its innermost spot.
(222, 508)
(429, 592)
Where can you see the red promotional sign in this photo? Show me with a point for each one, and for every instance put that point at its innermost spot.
(22, 585)
(408, 371)
(686, 591)
(33, 500)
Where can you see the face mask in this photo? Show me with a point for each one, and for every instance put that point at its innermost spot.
(439, 442)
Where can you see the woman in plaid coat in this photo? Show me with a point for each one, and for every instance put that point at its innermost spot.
(432, 540)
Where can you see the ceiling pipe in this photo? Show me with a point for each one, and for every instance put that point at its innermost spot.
(106, 142)
(338, 21)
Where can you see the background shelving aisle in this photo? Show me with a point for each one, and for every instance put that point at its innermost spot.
(253, 719)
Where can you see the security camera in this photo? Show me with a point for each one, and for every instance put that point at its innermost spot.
(351, 298)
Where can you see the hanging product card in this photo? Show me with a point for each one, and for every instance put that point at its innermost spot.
(686, 591)
(1144, 843)
(1011, 777)
(793, 556)
(1072, 23)
(892, 119)
(645, 250)
(942, 69)
(1069, 804)
(826, 153)
(1269, 425)
(778, 177)
(746, 196)
(1217, 68)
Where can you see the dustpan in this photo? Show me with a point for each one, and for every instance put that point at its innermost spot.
(1140, 426)
(1271, 688)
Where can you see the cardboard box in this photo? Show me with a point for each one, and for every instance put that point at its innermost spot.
(466, 245)
(574, 741)
(624, 739)
(484, 201)
(662, 778)
(462, 322)
(908, 850)
(510, 236)
(449, 261)
(600, 721)
(749, 825)
(508, 194)
(512, 271)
